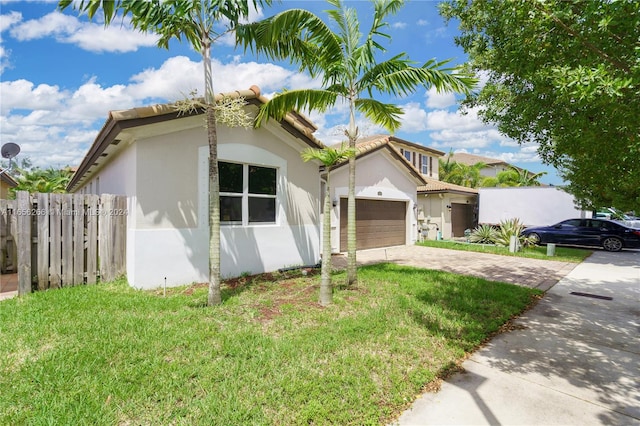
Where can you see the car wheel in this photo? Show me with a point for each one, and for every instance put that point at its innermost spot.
(612, 244)
(534, 238)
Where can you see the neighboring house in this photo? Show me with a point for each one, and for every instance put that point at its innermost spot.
(6, 183)
(270, 198)
(446, 210)
(386, 199)
(492, 165)
(421, 157)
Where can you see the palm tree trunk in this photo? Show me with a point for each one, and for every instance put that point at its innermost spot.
(352, 133)
(214, 297)
(326, 289)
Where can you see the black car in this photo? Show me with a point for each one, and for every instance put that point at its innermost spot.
(610, 235)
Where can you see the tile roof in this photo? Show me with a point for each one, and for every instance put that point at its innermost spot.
(435, 186)
(117, 121)
(471, 159)
(370, 144)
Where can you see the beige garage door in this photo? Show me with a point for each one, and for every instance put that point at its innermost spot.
(378, 223)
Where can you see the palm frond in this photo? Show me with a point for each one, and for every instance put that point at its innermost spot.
(328, 156)
(387, 115)
(298, 100)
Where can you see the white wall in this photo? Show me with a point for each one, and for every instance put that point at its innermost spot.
(534, 206)
(171, 234)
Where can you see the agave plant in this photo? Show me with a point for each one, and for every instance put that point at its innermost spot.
(507, 229)
(483, 234)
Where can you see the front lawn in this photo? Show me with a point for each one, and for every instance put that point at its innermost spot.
(108, 354)
(563, 254)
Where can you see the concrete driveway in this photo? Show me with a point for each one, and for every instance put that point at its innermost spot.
(541, 274)
(574, 359)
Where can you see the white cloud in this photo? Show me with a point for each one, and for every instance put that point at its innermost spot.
(414, 118)
(399, 25)
(9, 19)
(439, 100)
(422, 22)
(86, 35)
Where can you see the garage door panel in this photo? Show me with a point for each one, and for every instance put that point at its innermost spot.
(379, 223)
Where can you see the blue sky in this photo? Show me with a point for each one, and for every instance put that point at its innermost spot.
(61, 74)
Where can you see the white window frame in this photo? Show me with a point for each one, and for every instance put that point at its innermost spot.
(245, 195)
(424, 164)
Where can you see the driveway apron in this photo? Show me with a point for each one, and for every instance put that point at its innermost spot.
(574, 359)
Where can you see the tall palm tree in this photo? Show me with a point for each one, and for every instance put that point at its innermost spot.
(346, 62)
(193, 20)
(328, 157)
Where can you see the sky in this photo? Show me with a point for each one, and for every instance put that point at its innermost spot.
(61, 74)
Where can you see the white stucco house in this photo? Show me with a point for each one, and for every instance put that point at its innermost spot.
(270, 199)
(386, 202)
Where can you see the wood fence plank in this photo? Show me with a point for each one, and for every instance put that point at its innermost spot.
(43, 240)
(66, 213)
(13, 235)
(92, 238)
(78, 239)
(23, 214)
(55, 250)
(4, 233)
(105, 238)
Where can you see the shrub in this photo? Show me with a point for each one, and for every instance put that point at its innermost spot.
(483, 234)
(507, 229)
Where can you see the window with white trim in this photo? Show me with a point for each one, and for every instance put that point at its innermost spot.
(247, 193)
(407, 155)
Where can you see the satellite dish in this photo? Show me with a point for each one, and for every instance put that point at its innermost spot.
(10, 150)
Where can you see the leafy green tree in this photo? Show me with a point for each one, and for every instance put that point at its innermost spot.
(200, 22)
(346, 62)
(328, 157)
(564, 74)
(459, 173)
(42, 180)
(513, 176)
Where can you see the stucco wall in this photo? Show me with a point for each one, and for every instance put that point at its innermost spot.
(170, 239)
(434, 216)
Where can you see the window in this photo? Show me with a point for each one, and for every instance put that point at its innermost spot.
(247, 193)
(424, 164)
(407, 155)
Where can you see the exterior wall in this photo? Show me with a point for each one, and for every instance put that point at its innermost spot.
(378, 177)
(432, 161)
(4, 190)
(170, 233)
(434, 216)
(534, 206)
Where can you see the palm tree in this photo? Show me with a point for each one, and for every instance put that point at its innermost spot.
(328, 157)
(346, 63)
(193, 20)
(513, 176)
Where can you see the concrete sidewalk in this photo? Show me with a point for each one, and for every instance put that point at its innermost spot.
(572, 360)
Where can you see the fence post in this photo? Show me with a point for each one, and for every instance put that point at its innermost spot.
(23, 210)
(43, 240)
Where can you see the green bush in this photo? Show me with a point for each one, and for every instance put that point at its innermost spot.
(483, 234)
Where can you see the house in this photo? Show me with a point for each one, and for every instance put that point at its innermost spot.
(492, 165)
(446, 210)
(423, 158)
(6, 183)
(158, 158)
(386, 197)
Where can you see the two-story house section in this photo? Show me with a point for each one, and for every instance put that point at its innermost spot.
(423, 158)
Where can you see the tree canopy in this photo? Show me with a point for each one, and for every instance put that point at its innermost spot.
(564, 74)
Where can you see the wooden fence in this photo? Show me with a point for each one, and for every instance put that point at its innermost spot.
(59, 240)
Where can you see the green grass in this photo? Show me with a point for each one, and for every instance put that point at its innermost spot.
(563, 254)
(109, 354)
